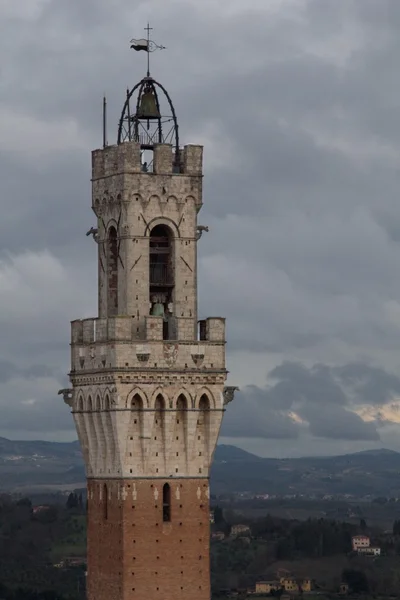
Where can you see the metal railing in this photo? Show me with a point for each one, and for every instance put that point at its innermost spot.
(160, 274)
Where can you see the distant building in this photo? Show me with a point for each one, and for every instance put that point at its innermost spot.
(218, 535)
(288, 584)
(38, 509)
(343, 589)
(362, 545)
(266, 587)
(360, 541)
(370, 551)
(239, 530)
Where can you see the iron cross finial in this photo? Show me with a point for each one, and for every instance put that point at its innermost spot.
(148, 29)
(147, 45)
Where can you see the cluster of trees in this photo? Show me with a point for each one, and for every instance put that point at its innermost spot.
(297, 539)
(23, 594)
(27, 543)
(239, 563)
(75, 501)
(396, 528)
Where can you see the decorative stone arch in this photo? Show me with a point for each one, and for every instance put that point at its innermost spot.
(159, 392)
(107, 393)
(186, 395)
(98, 404)
(89, 403)
(142, 396)
(80, 400)
(182, 403)
(190, 198)
(134, 196)
(207, 394)
(204, 402)
(160, 403)
(167, 222)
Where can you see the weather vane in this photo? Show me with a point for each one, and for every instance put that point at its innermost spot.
(147, 45)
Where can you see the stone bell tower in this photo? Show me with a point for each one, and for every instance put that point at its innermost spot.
(148, 391)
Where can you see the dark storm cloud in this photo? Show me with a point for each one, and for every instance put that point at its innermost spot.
(335, 423)
(9, 371)
(252, 417)
(321, 398)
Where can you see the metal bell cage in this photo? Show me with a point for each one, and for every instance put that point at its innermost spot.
(143, 121)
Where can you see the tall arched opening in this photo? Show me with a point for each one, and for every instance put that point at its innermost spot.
(161, 276)
(112, 272)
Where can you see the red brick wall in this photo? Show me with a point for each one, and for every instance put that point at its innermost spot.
(134, 554)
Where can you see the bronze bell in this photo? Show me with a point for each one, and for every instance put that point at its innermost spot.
(148, 106)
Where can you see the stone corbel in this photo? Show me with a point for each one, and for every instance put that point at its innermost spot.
(229, 393)
(67, 395)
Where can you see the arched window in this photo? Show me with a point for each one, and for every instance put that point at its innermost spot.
(166, 497)
(159, 403)
(161, 275)
(204, 403)
(181, 403)
(105, 502)
(137, 402)
(112, 272)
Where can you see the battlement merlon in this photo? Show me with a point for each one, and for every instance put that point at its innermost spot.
(126, 158)
(123, 329)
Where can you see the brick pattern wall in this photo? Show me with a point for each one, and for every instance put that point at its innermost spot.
(134, 554)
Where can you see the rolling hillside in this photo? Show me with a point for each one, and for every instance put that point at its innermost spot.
(37, 465)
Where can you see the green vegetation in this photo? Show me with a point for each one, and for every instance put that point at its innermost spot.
(316, 548)
(38, 546)
(31, 541)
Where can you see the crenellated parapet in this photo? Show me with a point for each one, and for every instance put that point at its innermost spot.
(123, 329)
(113, 343)
(126, 159)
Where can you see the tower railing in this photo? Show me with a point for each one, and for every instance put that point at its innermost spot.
(160, 274)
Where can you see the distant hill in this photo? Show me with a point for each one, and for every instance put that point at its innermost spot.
(371, 472)
(38, 465)
(34, 464)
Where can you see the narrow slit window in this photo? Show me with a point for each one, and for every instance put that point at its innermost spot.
(105, 502)
(166, 503)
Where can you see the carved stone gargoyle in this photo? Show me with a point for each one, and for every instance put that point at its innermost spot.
(200, 230)
(67, 395)
(229, 393)
(93, 231)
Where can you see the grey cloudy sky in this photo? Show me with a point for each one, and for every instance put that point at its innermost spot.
(297, 103)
